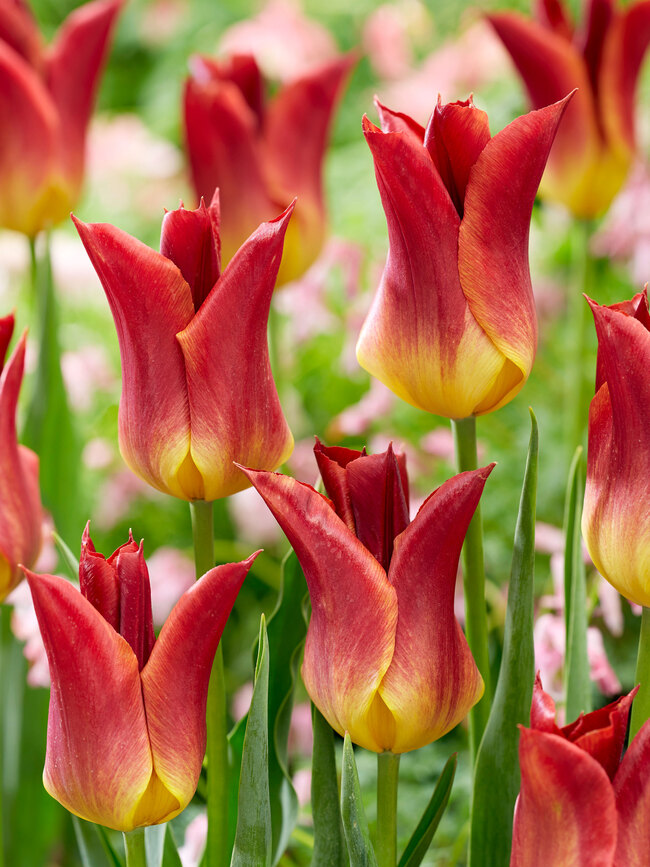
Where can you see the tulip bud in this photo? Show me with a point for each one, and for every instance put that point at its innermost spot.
(452, 329)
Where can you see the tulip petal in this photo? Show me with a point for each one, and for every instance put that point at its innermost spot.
(29, 130)
(7, 324)
(234, 406)
(632, 794)
(420, 337)
(599, 15)
(191, 240)
(98, 581)
(616, 517)
(396, 121)
(222, 131)
(602, 732)
(332, 462)
(18, 30)
(20, 506)
(552, 14)
(175, 680)
(74, 64)
(151, 303)
(98, 762)
(625, 47)
(566, 813)
(351, 635)
(136, 619)
(432, 681)
(493, 243)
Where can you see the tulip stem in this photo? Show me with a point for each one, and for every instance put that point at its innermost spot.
(464, 430)
(136, 854)
(641, 704)
(217, 729)
(387, 781)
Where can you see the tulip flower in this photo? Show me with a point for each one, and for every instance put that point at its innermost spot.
(385, 658)
(616, 515)
(46, 99)
(452, 329)
(197, 389)
(126, 729)
(580, 805)
(262, 153)
(21, 513)
(596, 142)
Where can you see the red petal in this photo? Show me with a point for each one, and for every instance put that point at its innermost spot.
(542, 709)
(633, 802)
(6, 330)
(553, 15)
(598, 21)
(332, 462)
(432, 681)
(602, 732)
(98, 762)
(566, 814)
(136, 619)
(191, 240)
(98, 581)
(351, 633)
(234, 406)
(175, 680)
(151, 303)
(19, 31)
(395, 121)
(73, 68)
(493, 241)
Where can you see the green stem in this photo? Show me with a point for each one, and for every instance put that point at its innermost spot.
(136, 854)
(641, 704)
(474, 584)
(387, 781)
(217, 730)
(5, 615)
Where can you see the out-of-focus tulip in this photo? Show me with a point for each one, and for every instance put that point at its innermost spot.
(126, 729)
(261, 154)
(616, 515)
(385, 658)
(21, 513)
(46, 99)
(580, 805)
(452, 329)
(197, 388)
(595, 145)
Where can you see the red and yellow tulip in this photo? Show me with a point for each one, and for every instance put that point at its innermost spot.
(126, 729)
(596, 142)
(580, 805)
(616, 515)
(385, 658)
(262, 153)
(21, 513)
(452, 329)
(46, 99)
(197, 388)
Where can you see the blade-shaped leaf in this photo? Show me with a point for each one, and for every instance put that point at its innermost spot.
(170, 858)
(577, 680)
(497, 764)
(355, 824)
(329, 840)
(69, 560)
(286, 634)
(422, 837)
(253, 835)
(94, 846)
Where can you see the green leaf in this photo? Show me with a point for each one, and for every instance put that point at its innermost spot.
(421, 838)
(69, 560)
(286, 635)
(329, 840)
(496, 776)
(170, 858)
(577, 679)
(355, 825)
(94, 846)
(253, 836)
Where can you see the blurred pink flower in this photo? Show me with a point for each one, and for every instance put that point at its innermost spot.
(196, 835)
(253, 521)
(610, 606)
(171, 573)
(24, 626)
(389, 34)
(602, 673)
(116, 496)
(241, 701)
(98, 454)
(625, 234)
(302, 784)
(85, 371)
(355, 420)
(284, 42)
(301, 464)
(301, 738)
(161, 21)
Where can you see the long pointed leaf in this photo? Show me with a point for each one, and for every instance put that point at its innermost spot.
(94, 848)
(253, 836)
(577, 680)
(329, 840)
(497, 764)
(355, 824)
(422, 837)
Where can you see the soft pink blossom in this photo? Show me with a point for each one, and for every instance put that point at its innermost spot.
(356, 419)
(253, 521)
(301, 737)
(171, 573)
(85, 371)
(116, 496)
(610, 606)
(389, 34)
(98, 454)
(302, 784)
(24, 626)
(196, 835)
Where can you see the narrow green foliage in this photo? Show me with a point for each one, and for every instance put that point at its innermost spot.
(497, 763)
(161, 847)
(641, 704)
(355, 825)
(330, 849)
(68, 559)
(422, 837)
(253, 836)
(577, 680)
(94, 846)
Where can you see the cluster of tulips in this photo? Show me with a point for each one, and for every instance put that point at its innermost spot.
(452, 330)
